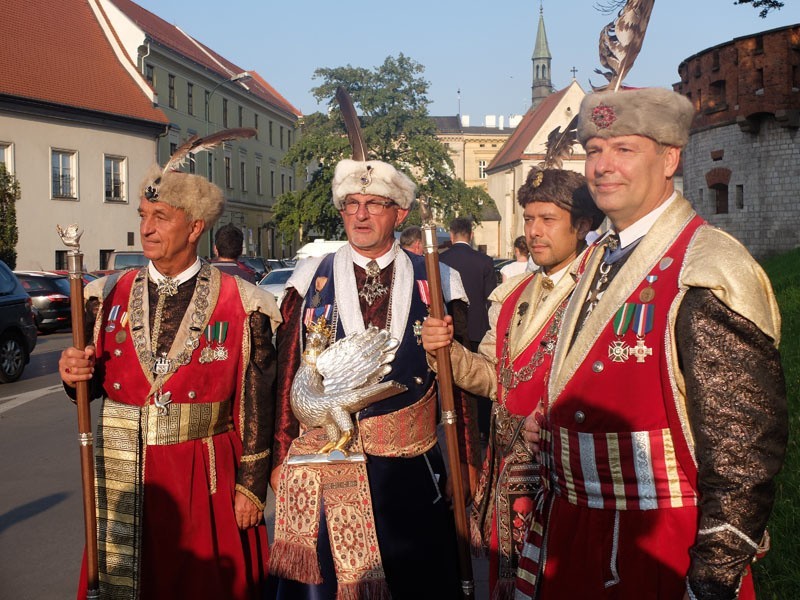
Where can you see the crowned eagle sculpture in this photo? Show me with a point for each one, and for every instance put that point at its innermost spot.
(333, 382)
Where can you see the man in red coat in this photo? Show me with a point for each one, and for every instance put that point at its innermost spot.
(514, 358)
(666, 420)
(182, 356)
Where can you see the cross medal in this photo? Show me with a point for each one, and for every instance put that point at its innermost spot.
(642, 324)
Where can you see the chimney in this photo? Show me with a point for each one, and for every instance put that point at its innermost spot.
(490, 121)
(465, 120)
(500, 123)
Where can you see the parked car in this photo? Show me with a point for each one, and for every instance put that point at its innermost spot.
(122, 260)
(17, 326)
(274, 282)
(86, 277)
(257, 264)
(50, 295)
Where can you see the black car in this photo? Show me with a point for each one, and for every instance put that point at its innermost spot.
(50, 295)
(17, 327)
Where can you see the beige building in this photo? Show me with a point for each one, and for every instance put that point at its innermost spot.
(77, 129)
(524, 150)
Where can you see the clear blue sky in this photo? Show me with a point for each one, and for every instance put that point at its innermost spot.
(483, 49)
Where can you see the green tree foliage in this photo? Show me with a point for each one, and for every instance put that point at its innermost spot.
(764, 5)
(9, 234)
(392, 102)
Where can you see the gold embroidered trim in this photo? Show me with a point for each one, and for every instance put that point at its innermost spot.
(248, 458)
(410, 431)
(212, 466)
(240, 488)
(185, 422)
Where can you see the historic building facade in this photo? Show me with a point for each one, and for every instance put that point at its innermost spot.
(742, 164)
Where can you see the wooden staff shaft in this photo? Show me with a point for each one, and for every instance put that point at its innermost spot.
(85, 437)
(449, 419)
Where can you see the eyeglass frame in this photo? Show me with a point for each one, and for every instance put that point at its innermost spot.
(374, 211)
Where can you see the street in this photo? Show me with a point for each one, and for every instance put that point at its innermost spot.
(41, 510)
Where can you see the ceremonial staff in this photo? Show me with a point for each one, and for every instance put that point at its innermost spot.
(71, 238)
(445, 377)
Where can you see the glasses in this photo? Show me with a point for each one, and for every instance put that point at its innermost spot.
(374, 207)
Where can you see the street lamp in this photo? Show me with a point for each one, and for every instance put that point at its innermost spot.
(237, 77)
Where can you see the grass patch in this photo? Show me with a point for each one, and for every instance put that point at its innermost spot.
(777, 576)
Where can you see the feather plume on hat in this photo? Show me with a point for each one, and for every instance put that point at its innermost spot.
(195, 195)
(361, 175)
(621, 40)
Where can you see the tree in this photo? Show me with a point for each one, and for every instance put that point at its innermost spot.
(396, 129)
(764, 5)
(9, 234)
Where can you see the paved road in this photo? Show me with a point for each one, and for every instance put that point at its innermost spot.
(41, 515)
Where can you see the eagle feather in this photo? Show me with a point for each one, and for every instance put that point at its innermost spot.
(621, 40)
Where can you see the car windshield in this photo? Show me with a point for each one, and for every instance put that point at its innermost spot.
(276, 277)
(130, 260)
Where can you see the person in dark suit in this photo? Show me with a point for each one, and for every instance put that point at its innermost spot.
(477, 274)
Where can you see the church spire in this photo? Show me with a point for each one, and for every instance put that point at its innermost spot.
(542, 85)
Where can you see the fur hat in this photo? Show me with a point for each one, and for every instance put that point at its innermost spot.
(371, 177)
(660, 114)
(193, 194)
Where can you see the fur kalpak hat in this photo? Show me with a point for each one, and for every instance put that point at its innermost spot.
(660, 114)
(362, 176)
(371, 177)
(195, 195)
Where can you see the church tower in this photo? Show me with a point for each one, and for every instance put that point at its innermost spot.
(542, 85)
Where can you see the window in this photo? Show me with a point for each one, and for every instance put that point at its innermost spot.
(149, 75)
(272, 183)
(720, 191)
(5, 157)
(63, 174)
(270, 134)
(716, 95)
(288, 138)
(242, 176)
(173, 146)
(190, 98)
(283, 183)
(759, 81)
(104, 256)
(172, 91)
(759, 45)
(259, 184)
(225, 112)
(241, 116)
(208, 105)
(715, 60)
(115, 179)
(210, 168)
(280, 139)
(481, 169)
(255, 123)
(61, 260)
(291, 184)
(228, 180)
(740, 196)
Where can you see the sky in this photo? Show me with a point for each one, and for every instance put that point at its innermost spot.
(477, 55)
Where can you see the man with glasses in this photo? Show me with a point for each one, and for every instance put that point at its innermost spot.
(394, 535)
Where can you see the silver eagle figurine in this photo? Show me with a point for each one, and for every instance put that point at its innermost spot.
(334, 382)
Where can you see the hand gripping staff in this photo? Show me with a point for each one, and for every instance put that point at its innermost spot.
(71, 238)
(445, 378)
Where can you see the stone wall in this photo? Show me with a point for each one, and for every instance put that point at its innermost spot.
(765, 217)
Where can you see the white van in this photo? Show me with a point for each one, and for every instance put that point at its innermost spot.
(319, 248)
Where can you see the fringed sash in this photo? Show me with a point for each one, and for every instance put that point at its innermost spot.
(344, 490)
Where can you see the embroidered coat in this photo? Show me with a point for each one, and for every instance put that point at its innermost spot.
(166, 476)
(511, 368)
(414, 526)
(646, 488)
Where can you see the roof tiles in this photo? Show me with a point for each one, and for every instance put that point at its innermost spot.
(59, 54)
